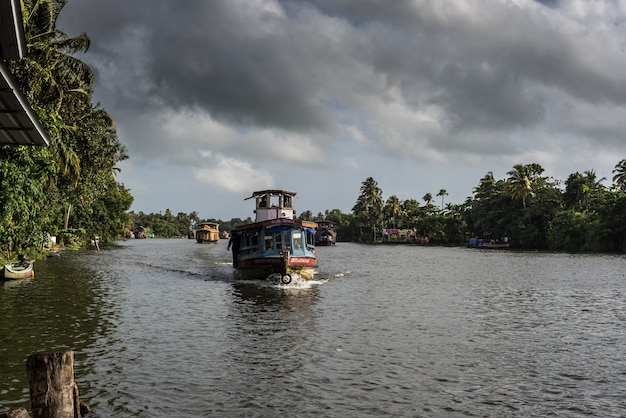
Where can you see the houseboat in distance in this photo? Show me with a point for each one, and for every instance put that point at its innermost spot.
(207, 232)
(325, 235)
(277, 246)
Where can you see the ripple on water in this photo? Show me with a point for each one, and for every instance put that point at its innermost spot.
(162, 328)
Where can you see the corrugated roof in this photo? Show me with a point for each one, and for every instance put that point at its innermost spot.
(19, 124)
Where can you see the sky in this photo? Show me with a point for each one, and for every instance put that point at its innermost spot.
(217, 99)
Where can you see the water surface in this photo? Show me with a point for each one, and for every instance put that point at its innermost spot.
(160, 328)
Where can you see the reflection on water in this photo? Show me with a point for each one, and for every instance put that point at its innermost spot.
(163, 328)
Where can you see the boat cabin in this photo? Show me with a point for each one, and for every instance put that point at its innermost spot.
(325, 224)
(207, 232)
(273, 204)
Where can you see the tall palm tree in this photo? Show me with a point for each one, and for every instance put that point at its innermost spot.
(442, 193)
(54, 72)
(369, 205)
(55, 81)
(519, 183)
(620, 175)
(393, 209)
(427, 198)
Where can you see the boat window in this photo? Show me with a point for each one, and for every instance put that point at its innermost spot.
(253, 239)
(249, 242)
(269, 243)
(297, 240)
(287, 239)
(279, 240)
(275, 201)
(287, 201)
(310, 238)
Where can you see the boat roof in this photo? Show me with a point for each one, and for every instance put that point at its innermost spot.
(278, 221)
(273, 192)
(324, 223)
(208, 223)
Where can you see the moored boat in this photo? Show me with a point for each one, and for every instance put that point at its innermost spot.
(325, 235)
(488, 242)
(207, 232)
(22, 269)
(277, 246)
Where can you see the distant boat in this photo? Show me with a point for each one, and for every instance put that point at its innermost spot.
(207, 232)
(325, 235)
(488, 242)
(141, 232)
(276, 246)
(22, 269)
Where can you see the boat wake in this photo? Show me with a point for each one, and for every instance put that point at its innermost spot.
(278, 281)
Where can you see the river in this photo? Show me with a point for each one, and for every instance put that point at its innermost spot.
(160, 328)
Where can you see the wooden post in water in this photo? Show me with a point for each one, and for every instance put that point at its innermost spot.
(53, 392)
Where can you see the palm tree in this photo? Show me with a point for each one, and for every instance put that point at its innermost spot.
(442, 193)
(427, 198)
(580, 189)
(54, 72)
(393, 209)
(369, 205)
(519, 183)
(620, 175)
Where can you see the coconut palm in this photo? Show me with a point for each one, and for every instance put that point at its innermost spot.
(369, 205)
(519, 183)
(442, 193)
(393, 209)
(620, 175)
(54, 72)
(55, 81)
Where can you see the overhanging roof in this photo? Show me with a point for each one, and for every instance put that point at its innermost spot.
(19, 124)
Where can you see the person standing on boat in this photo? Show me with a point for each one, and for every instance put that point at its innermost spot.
(234, 241)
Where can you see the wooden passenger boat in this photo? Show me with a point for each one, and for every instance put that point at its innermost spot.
(277, 246)
(325, 235)
(207, 232)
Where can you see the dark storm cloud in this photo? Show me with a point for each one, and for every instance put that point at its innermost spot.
(262, 84)
(240, 64)
(280, 64)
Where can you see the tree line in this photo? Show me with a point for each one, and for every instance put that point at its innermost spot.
(535, 212)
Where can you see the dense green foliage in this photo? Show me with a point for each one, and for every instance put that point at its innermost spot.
(67, 189)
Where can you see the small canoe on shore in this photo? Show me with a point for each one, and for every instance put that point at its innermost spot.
(19, 270)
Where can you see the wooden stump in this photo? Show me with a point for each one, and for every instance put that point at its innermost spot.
(53, 392)
(15, 413)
